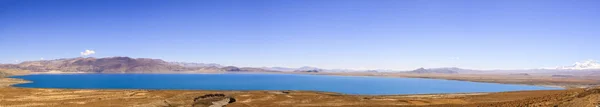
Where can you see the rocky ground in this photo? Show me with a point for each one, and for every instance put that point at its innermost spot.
(36, 97)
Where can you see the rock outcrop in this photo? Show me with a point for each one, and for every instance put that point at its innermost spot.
(212, 100)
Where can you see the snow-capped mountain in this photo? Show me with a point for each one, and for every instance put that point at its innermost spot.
(584, 65)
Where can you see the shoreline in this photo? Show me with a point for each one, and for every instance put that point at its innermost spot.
(555, 85)
(18, 96)
(550, 86)
(12, 81)
(539, 81)
(22, 81)
(8, 82)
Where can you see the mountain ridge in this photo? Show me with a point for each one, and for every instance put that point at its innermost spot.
(120, 65)
(444, 70)
(583, 65)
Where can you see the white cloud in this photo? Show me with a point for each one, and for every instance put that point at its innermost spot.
(87, 52)
(455, 58)
(42, 58)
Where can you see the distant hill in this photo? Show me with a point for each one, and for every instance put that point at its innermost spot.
(583, 65)
(118, 65)
(189, 64)
(305, 68)
(314, 69)
(252, 69)
(452, 70)
(309, 69)
(284, 69)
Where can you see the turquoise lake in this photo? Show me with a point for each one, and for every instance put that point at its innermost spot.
(341, 84)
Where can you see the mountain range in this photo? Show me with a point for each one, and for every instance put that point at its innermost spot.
(584, 65)
(121, 65)
(147, 65)
(450, 70)
(301, 69)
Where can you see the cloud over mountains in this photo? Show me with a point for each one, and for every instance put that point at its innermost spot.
(87, 52)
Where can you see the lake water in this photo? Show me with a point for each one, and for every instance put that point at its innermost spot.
(340, 84)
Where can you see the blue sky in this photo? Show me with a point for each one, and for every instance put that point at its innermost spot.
(357, 34)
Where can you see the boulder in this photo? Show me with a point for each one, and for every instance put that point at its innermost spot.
(212, 100)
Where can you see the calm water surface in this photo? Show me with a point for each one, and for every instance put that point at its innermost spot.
(340, 84)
